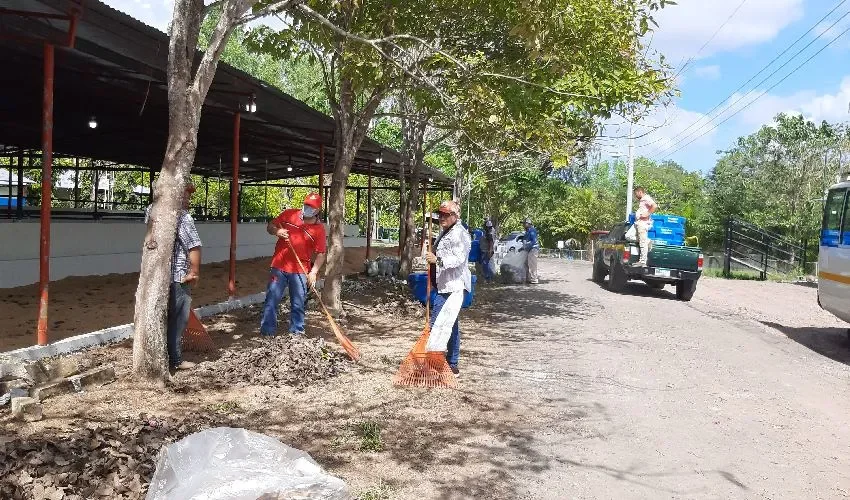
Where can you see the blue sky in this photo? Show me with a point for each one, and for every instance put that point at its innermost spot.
(758, 31)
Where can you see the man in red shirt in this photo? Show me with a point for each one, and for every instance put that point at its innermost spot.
(303, 229)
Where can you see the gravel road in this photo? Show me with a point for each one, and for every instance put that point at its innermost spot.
(741, 393)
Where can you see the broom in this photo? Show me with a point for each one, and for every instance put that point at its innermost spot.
(195, 336)
(422, 368)
(352, 351)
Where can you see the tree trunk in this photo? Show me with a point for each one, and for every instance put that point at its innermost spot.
(186, 94)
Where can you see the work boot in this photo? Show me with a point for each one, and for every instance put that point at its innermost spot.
(455, 371)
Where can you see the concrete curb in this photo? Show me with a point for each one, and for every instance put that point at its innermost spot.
(122, 332)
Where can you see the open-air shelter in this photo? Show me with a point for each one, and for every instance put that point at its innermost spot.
(84, 81)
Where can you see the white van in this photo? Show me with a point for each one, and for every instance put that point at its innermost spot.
(834, 254)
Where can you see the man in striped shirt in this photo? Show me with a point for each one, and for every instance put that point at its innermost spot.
(185, 272)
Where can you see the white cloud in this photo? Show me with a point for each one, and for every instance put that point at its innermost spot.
(711, 72)
(832, 107)
(658, 134)
(685, 27)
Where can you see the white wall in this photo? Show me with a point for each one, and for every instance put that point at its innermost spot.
(85, 248)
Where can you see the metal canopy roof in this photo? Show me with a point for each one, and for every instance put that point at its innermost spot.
(117, 72)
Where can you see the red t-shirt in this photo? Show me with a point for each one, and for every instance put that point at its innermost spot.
(307, 239)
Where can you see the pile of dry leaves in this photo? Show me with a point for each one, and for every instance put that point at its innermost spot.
(275, 361)
(115, 460)
(384, 296)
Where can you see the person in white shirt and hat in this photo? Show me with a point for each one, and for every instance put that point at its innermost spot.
(450, 275)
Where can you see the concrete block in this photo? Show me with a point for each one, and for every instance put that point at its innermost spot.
(96, 377)
(11, 368)
(55, 388)
(19, 392)
(18, 383)
(61, 368)
(36, 373)
(27, 409)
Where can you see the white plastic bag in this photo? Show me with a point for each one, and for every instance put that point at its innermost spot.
(631, 234)
(438, 339)
(513, 267)
(227, 463)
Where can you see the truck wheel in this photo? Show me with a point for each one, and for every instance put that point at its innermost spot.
(599, 271)
(617, 277)
(685, 289)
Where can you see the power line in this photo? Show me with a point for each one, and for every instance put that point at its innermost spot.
(762, 70)
(763, 93)
(704, 45)
(710, 39)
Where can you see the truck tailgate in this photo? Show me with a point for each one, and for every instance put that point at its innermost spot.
(674, 257)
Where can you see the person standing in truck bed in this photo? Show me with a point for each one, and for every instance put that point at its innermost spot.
(643, 222)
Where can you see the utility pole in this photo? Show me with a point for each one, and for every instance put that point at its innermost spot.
(631, 173)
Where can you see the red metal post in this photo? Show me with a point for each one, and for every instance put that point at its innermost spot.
(46, 193)
(234, 205)
(369, 215)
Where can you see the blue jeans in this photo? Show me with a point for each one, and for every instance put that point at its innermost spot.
(454, 341)
(179, 306)
(485, 264)
(279, 282)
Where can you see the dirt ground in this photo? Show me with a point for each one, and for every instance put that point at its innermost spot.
(567, 391)
(82, 304)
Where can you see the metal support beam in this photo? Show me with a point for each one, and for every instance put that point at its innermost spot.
(9, 200)
(369, 215)
(321, 179)
(234, 206)
(20, 211)
(46, 193)
(425, 215)
(76, 182)
(357, 205)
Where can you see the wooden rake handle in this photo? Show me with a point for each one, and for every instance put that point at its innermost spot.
(346, 343)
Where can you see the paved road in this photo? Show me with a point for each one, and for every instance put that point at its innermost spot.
(742, 393)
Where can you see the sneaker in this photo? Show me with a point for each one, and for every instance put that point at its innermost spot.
(296, 334)
(185, 365)
(455, 371)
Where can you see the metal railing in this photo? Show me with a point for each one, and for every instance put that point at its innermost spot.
(754, 249)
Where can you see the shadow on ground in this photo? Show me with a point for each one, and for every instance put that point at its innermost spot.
(639, 289)
(830, 342)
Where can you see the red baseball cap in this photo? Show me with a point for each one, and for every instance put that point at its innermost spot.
(313, 200)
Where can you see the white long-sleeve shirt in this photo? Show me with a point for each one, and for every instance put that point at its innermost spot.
(453, 253)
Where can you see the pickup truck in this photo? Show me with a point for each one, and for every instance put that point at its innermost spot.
(667, 264)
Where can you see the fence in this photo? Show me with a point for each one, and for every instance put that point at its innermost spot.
(761, 251)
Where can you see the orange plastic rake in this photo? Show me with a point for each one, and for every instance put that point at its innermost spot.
(195, 336)
(344, 341)
(422, 368)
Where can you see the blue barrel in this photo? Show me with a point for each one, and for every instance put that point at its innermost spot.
(418, 283)
(475, 251)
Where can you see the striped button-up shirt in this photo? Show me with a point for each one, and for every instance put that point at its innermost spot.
(453, 253)
(186, 239)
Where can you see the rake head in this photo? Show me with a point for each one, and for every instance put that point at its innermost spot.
(425, 369)
(195, 337)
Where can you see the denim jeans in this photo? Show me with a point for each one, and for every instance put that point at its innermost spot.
(179, 306)
(454, 341)
(486, 269)
(279, 283)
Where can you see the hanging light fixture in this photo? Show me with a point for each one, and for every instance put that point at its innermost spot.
(92, 122)
(380, 158)
(245, 158)
(252, 104)
(289, 168)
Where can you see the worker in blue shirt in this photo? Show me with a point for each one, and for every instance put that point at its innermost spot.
(532, 247)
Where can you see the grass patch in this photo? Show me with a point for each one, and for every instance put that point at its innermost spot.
(749, 275)
(370, 436)
(225, 407)
(379, 492)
